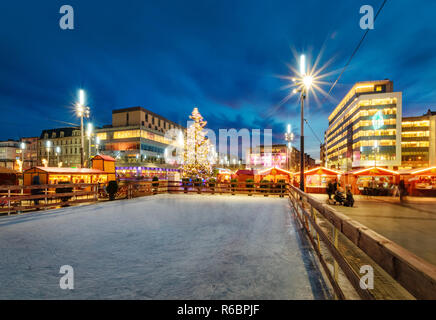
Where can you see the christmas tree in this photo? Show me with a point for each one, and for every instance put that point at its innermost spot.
(197, 162)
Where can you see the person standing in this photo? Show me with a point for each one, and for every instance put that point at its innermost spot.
(402, 189)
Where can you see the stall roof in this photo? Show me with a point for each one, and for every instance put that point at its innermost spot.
(103, 157)
(247, 172)
(268, 171)
(373, 171)
(7, 170)
(322, 170)
(420, 171)
(68, 170)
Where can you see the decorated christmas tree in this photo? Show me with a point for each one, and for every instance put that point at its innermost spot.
(197, 162)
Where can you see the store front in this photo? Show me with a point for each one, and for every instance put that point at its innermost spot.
(146, 173)
(317, 179)
(55, 175)
(274, 175)
(420, 182)
(373, 181)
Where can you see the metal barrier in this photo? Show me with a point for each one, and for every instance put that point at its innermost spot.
(414, 274)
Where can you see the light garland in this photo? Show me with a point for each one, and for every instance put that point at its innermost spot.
(198, 152)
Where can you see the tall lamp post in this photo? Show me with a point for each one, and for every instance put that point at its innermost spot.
(304, 82)
(82, 112)
(22, 147)
(58, 151)
(48, 146)
(89, 130)
(289, 137)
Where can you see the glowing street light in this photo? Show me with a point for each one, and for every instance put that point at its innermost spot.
(22, 147)
(82, 112)
(58, 151)
(48, 146)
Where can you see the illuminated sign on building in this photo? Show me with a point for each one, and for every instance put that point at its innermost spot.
(377, 120)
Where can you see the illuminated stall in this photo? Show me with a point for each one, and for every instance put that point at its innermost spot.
(373, 181)
(316, 179)
(106, 164)
(274, 175)
(224, 175)
(54, 175)
(420, 182)
(243, 175)
(146, 173)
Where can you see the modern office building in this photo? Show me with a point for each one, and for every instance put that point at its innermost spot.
(418, 141)
(365, 128)
(136, 135)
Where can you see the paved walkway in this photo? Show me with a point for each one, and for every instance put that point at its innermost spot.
(411, 225)
(160, 247)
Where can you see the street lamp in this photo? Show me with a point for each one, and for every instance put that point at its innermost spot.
(97, 145)
(375, 152)
(82, 111)
(22, 147)
(304, 83)
(89, 130)
(48, 146)
(58, 151)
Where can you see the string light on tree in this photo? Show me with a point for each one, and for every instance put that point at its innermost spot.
(198, 152)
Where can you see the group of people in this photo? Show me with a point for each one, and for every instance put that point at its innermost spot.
(334, 189)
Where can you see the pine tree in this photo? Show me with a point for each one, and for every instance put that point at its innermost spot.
(197, 155)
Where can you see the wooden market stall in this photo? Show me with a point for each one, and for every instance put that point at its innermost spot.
(224, 175)
(273, 174)
(420, 182)
(372, 181)
(106, 164)
(8, 176)
(54, 175)
(316, 179)
(243, 175)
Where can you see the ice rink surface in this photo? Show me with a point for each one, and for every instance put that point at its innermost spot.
(160, 247)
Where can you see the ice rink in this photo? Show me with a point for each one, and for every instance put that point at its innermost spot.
(160, 247)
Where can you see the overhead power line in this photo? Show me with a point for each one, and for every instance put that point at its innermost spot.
(355, 51)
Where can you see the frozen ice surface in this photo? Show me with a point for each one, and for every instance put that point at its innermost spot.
(160, 247)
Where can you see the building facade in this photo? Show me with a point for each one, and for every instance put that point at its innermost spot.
(136, 135)
(418, 141)
(281, 156)
(30, 152)
(63, 148)
(9, 154)
(365, 128)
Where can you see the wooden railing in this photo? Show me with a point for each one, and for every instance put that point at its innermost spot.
(414, 274)
(14, 199)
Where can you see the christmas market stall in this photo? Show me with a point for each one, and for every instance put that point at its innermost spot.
(373, 181)
(274, 175)
(55, 175)
(224, 175)
(420, 182)
(106, 164)
(243, 175)
(8, 176)
(146, 173)
(316, 179)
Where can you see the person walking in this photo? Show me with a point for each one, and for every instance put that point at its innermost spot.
(330, 189)
(402, 189)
